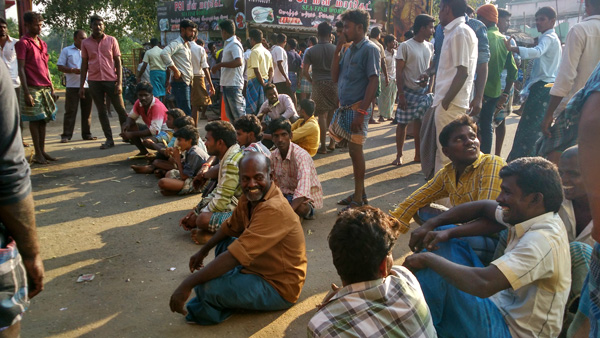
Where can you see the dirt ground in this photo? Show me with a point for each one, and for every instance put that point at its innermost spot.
(95, 216)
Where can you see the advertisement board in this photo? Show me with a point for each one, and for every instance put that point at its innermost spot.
(206, 13)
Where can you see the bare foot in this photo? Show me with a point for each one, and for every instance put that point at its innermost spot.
(200, 237)
(417, 159)
(48, 157)
(331, 146)
(159, 173)
(398, 161)
(143, 169)
(39, 159)
(322, 150)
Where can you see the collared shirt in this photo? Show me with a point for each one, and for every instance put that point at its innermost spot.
(153, 59)
(9, 55)
(192, 160)
(579, 58)
(500, 59)
(360, 62)
(479, 181)
(232, 77)
(100, 55)
(393, 306)
(259, 58)
(199, 58)
(306, 134)
(379, 46)
(567, 215)
(177, 53)
(270, 242)
(36, 61)
(279, 54)
(417, 58)
(155, 118)
(483, 47)
(537, 264)
(228, 189)
(460, 49)
(70, 57)
(258, 147)
(283, 107)
(547, 55)
(296, 175)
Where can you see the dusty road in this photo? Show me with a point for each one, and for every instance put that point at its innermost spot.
(95, 215)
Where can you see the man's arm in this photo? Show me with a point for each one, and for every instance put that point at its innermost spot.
(19, 220)
(84, 70)
(259, 76)
(24, 86)
(482, 73)
(237, 62)
(282, 71)
(165, 55)
(211, 87)
(305, 71)
(119, 71)
(400, 64)
(141, 72)
(384, 70)
(589, 139)
(458, 81)
(335, 63)
(464, 213)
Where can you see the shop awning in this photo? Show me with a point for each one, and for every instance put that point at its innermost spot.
(301, 29)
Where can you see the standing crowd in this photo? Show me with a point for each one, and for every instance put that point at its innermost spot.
(503, 247)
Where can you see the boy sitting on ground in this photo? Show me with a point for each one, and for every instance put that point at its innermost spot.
(172, 115)
(153, 113)
(306, 129)
(188, 158)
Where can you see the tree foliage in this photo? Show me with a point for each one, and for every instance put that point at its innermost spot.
(136, 19)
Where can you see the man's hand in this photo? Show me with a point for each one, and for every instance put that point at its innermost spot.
(128, 135)
(423, 80)
(288, 82)
(357, 122)
(82, 93)
(176, 74)
(35, 275)
(434, 237)
(446, 103)
(402, 101)
(215, 68)
(501, 101)
(416, 262)
(118, 88)
(197, 260)
(387, 82)
(509, 46)
(29, 100)
(178, 299)
(546, 124)
(334, 290)
(341, 39)
(168, 88)
(76, 71)
(148, 143)
(211, 90)
(176, 154)
(54, 96)
(187, 219)
(416, 238)
(475, 106)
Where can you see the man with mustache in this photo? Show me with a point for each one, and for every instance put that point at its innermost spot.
(260, 255)
(523, 293)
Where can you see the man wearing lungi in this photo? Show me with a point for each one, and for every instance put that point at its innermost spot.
(260, 70)
(158, 73)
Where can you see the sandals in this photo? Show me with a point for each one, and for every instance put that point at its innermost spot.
(351, 205)
(348, 200)
(107, 145)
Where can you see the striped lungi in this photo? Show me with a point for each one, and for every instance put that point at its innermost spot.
(255, 96)
(417, 103)
(13, 283)
(43, 108)
(341, 125)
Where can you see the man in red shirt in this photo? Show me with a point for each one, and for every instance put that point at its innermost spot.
(37, 94)
(101, 62)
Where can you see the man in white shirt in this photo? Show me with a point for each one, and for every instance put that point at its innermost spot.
(280, 65)
(200, 97)
(177, 57)
(456, 70)
(69, 62)
(232, 72)
(523, 293)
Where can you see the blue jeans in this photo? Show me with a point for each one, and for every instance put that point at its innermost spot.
(217, 299)
(456, 313)
(181, 91)
(486, 118)
(235, 103)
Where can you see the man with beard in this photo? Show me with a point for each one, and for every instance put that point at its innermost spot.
(260, 255)
(177, 57)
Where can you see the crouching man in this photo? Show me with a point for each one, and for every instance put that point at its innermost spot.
(260, 254)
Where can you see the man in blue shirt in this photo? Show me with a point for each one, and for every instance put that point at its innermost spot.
(357, 75)
(547, 55)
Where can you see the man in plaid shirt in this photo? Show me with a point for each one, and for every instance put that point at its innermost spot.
(294, 171)
(377, 298)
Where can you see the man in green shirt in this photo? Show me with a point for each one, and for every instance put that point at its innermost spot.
(500, 59)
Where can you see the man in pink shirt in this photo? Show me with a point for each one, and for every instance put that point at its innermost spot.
(101, 61)
(153, 113)
(37, 94)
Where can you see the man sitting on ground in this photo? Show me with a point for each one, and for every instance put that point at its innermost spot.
(471, 175)
(263, 268)
(188, 158)
(153, 113)
(295, 171)
(249, 134)
(521, 294)
(376, 297)
(306, 129)
(276, 106)
(206, 218)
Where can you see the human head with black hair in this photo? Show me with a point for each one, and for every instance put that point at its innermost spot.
(187, 29)
(302, 46)
(452, 9)
(339, 29)
(248, 130)
(271, 93)
(3, 28)
(503, 20)
(470, 11)
(312, 41)
(78, 37)
(375, 33)
(281, 39)
(389, 42)
(154, 42)
(530, 187)
(183, 121)
(307, 108)
(227, 29)
(459, 141)
(200, 42)
(592, 7)
(189, 134)
(33, 23)
(143, 90)
(293, 43)
(256, 36)
(324, 30)
(424, 26)
(570, 175)
(409, 34)
(220, 136)
(281, 134)
(172, 115)
(545, 19)
(356, 23)
(361, 243)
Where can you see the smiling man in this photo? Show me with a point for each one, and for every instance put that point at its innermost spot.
(260, 255)
(522, 293)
